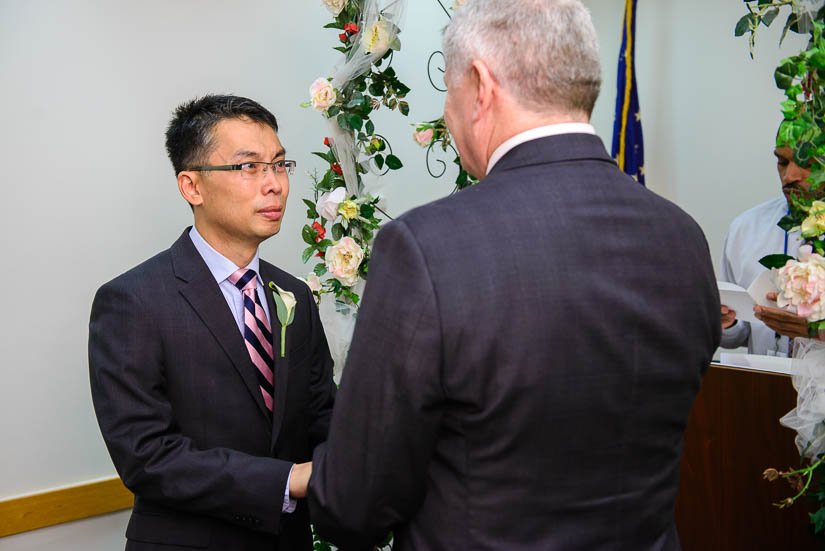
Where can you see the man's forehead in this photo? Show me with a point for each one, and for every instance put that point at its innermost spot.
(237, 136)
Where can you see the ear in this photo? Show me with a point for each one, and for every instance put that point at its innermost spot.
(189, 186)
(486, 89)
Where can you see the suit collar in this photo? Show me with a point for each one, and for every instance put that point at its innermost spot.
(554, 149)
(199, 288)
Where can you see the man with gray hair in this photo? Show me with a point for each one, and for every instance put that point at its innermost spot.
(528, 350)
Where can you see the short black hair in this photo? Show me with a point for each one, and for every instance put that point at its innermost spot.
(189, 137)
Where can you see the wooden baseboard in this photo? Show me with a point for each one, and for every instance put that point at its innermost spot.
(34, 511)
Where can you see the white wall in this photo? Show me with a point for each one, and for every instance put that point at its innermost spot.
(87, 89)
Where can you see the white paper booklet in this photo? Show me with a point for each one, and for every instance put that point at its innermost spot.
(743, 300)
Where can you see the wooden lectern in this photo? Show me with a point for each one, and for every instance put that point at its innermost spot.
(732, 436)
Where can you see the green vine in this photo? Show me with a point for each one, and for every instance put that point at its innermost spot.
(350, 219)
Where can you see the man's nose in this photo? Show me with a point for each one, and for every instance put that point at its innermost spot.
(271, 181)
(794, 173)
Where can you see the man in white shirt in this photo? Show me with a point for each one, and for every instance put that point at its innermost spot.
(753, 235)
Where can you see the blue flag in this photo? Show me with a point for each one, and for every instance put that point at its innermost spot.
(628, 147)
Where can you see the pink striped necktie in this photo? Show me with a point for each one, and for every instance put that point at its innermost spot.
(257, 334)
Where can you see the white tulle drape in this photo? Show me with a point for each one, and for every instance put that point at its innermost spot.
(356, 64)
(339, 318)
(808, 418)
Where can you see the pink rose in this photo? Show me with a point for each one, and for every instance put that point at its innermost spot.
(343, 259)
(423, 137)
(322, 95)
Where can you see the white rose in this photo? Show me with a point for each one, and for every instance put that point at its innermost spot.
(328, 203)
(343, 260)
(377, 39)
(334, 6)
(313, 282)
(322, 95)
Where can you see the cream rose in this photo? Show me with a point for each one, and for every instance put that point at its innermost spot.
(814, 224)
(335, 7)
(423, 137)
(377, 39)
(348, 209)
(329, 201)
(343, 259)
(801, 284)
(322, 95)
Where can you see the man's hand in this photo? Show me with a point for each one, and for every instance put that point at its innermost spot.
(299, 480)
(783, 322)
(728, 317)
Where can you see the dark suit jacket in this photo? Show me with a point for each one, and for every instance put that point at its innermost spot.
(183, 418)
(523, 365)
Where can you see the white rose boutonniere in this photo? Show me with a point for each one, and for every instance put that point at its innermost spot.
(285, 305)
(343, 260)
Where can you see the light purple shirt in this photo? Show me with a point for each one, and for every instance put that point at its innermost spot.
(221, 268)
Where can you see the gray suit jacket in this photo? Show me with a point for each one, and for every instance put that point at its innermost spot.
(183, 418)
(523, 365)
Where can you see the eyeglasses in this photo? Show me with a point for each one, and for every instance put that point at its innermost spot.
(254, 169)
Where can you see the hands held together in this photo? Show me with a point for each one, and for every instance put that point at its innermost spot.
(781, 321)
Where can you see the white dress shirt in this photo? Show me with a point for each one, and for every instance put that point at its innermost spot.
(536, 133)
(752, 235)
(221, 268)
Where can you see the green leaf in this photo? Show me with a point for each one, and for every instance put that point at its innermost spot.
(337, 232)
(401, 89)
(334, 25)
(744, 24)
(379, 161)
(307, 254)
(817, 60)
(784, 75)
(320, 269)
(332, 111)
(367, 211)
(393, 162)
(311, 210)
(355, 122)
(308, 235)
(404, 107)
(357, 102)
(342, 49)
(389, 73)
(788, 23)
(769, 16)
(328, 157)
(775, 260)
(370, 128)
(342, 122)
(377, 89)
(788, 222)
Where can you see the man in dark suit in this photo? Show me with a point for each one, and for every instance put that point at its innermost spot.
(528, 350)
(204, 410)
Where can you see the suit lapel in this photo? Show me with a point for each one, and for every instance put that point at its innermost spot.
(281, 365)
(201, 290)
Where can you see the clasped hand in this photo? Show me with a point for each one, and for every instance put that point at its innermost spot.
(781, 321)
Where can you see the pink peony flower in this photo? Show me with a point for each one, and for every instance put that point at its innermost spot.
(801, 285)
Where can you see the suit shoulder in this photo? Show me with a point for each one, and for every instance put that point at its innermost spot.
(142, 274)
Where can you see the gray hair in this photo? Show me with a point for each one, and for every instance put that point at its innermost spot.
(544, 52)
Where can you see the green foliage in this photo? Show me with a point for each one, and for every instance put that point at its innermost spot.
(775, 260)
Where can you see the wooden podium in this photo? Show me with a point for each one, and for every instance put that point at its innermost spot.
(732, 436)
